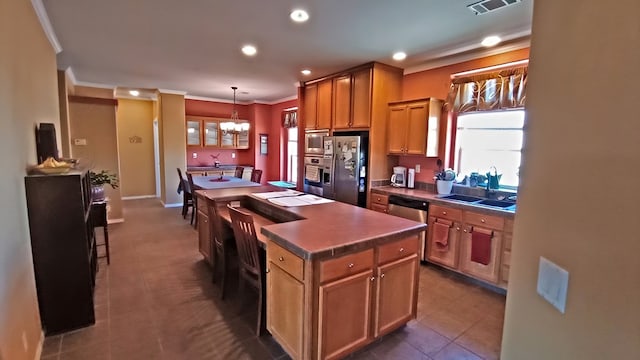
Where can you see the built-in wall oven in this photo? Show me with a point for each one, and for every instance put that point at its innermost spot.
(317, 174)
(416, 210)
(313, 142)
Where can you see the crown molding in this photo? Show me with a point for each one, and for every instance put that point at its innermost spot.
(172, 92)
(41, 12)
(467, 53)
(69, 72)
(94, 85)
(204, 98)
(288, 98)
(140, 98)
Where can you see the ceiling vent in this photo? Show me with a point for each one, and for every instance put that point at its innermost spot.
(487, 6)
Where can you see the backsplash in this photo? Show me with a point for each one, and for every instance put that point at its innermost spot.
(224, 156)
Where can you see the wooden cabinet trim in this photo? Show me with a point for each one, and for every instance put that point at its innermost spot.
(485, 221)
(445, 212)
(397, 249)
(380, 208)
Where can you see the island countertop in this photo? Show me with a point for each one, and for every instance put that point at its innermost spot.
(322, 230)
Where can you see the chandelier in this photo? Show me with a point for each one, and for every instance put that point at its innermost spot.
(234, 125)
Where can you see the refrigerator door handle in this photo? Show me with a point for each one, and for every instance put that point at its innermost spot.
(334, 158)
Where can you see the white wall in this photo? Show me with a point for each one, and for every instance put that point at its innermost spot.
(28, 95)
(579, 203)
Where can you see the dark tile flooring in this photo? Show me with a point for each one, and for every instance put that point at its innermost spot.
(156, 301)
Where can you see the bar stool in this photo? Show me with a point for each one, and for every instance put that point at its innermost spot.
(194, 199)
(99, 219)
(256, 175)
(221, 250)
(239, 171)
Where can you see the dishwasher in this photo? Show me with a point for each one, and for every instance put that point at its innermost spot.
(415, 210)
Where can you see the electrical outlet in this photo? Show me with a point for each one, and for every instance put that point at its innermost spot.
(80, 142)
(233, 155)
(25, 342)
(195, 155)
(417, 168)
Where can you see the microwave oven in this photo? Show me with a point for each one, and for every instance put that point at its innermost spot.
(313, 142)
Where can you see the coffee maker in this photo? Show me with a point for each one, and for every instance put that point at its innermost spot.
(399, 177)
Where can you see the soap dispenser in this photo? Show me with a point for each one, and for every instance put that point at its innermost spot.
(411, 179)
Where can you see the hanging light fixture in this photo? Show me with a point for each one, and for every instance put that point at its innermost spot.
(234, 125)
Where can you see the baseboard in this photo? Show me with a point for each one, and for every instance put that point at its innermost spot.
(40, 345)
(115, 221)
(139, 197)
(172, 205)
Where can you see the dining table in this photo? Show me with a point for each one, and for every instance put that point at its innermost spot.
(220, 182)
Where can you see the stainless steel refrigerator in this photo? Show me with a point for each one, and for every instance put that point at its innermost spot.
(348, 158)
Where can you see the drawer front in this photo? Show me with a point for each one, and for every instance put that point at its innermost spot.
(445, 212)
(397, 249)
(286, 260)
(380, 208)
(486, 221)
(346, 265)
(507, 241)
(377, 198)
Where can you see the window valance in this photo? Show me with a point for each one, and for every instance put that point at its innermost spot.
(505, 89)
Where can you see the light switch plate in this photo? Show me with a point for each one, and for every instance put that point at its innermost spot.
(195, 155)
(81, 142)
(417, 168)
(553, 283)
(233, 155)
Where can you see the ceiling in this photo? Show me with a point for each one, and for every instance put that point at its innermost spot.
(194, 46)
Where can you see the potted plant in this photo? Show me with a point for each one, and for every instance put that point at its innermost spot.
(98, 180)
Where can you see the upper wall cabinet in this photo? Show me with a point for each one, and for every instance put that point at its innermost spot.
(352, 100)
(211, 136)
(193, 132)
(318, 112)
(414, 127)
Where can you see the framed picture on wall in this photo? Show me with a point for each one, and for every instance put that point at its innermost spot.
(264, 144)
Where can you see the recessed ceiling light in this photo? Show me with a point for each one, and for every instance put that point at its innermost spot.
(306, 72)
(249, 50)
(299, 15)
(399, 56)
(491, 41)
(134, 92)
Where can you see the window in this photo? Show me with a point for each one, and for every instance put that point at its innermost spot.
(292, 154)
(486, 139)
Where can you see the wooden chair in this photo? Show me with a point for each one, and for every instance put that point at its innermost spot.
(239, 171)
(187, 196)
(221, 249)
(256, 175)
(195, 201)
(252, 260)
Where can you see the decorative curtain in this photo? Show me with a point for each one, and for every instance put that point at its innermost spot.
(504, 89)
(290, 119)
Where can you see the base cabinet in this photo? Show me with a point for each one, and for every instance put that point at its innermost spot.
(329, 308)
(396, 289)
(345, 313)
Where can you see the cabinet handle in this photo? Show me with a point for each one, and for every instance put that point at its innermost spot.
(458, 229)
(372, 278)
(378, 199)
(465, 230)
(444, 213)
(401, 250)
(350, 265)
(267, 271)
(281, 258)
(381, 276)
(483, 221)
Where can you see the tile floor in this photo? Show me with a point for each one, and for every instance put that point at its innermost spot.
(156, 301)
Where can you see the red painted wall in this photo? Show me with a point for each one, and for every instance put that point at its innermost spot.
(435, 83)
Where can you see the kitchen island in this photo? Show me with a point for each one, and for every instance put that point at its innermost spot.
(338, 276)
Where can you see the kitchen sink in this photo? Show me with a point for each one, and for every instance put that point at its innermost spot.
(464, 198)
(496, 203)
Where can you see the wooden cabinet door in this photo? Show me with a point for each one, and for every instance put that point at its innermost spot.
(310, 108)
(397, 130)
(416, 143)
(361, 99)
(342, 102)
(324, 104)
(397, 294)
(194, 132)
(344, 315)
(242, 140)
(204, 241)
(487, 272)
(447, 256)
(211, 133)
(227, 140)
(285, 310)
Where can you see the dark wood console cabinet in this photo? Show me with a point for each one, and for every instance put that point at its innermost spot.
(63, 248)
